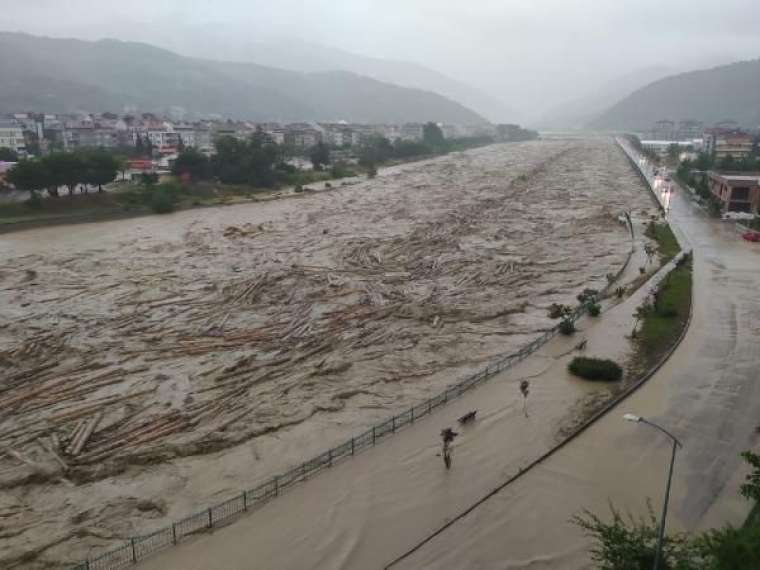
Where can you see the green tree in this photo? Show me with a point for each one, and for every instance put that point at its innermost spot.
(319, 155)
(432, 135)
(8, 155)
(191, 163)
(100, 168)
(728, 162)
(673, 153)
(703, 162)
(730, 548)
(751, 487)
(67, 169)
(30, 175)
(630, 544)
(410, 149)
(246, 162)
(375, 150)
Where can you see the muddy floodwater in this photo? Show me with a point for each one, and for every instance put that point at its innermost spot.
(156, 365)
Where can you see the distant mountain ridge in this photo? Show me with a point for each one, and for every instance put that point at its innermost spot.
(726, 92)
(308, 57)
(577, 113)
(64, 75)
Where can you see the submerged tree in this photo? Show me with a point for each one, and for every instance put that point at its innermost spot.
(319, 155)
(432, 135)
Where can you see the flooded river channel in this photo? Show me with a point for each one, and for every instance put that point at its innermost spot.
(209, 349)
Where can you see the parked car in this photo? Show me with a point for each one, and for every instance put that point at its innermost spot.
(738, 216)
(752, 236)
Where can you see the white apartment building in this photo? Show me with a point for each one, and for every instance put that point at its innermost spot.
(11, 136)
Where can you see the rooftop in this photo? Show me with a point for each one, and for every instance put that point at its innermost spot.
(738, 177)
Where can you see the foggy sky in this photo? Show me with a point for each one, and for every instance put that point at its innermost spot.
(532, 54)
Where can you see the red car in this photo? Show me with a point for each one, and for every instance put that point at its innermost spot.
(751, 235)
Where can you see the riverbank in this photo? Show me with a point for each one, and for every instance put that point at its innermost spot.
(128, 200)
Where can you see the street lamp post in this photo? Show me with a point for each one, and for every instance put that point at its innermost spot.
(676, 445)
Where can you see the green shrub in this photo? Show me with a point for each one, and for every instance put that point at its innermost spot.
(567, 327)
(161, 201)
(667, 309)
(594, 309)
(596, 369)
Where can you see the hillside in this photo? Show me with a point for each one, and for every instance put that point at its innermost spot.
(727, 92)
(576, 113)
(309, 57)
(63, 75)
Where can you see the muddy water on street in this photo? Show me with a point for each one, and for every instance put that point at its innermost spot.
(224, 345)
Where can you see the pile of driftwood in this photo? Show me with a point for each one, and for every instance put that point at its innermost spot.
(276, 323)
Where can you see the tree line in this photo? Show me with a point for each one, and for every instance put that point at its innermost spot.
(377, 149)
(65, 169)
(257, 162)
(262, 163)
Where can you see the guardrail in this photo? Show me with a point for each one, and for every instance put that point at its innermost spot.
(140, 547)
(645, 175)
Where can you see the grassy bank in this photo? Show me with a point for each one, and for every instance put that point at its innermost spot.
(667, 245)
(135, 200)
(663, 317)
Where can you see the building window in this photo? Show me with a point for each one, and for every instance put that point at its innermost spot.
(740, 194)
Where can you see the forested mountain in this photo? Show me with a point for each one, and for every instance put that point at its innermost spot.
(64, 75)
(726, 92)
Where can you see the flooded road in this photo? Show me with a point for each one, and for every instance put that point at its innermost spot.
(217, 347)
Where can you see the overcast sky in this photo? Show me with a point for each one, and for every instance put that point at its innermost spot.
(530, 53)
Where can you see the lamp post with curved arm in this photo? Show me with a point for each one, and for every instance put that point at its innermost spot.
(676, 445)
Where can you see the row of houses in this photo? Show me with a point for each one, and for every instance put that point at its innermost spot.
(39, 133)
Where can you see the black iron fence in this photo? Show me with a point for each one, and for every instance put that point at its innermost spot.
(140, 547)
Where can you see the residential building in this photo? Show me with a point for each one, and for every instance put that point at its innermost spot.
(277, 135)
(690, 129)
(721, 142)
(186, 134)
(662, 147)
(737, 192)
(12, 136)
(302, 137)
(411, 132)
(664, 129)
(450, 131)
(235, 129)
(163, 138)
